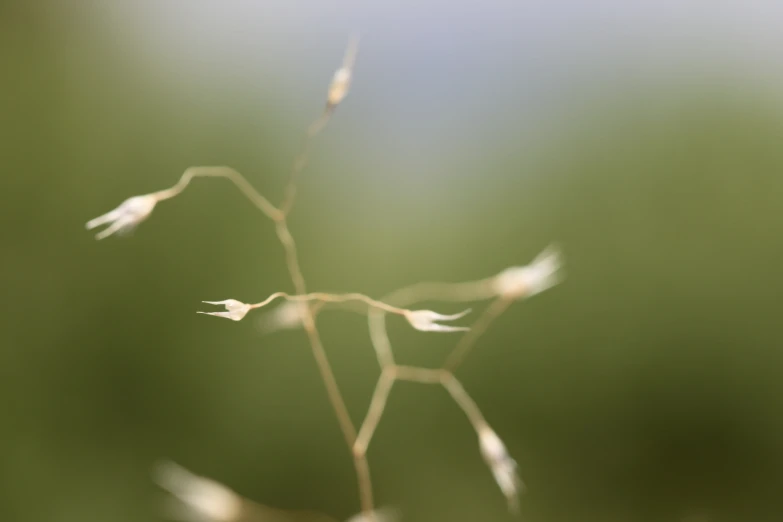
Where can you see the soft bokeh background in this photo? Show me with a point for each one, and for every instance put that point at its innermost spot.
(645, 137)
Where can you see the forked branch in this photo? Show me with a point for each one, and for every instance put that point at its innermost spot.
(204, 499)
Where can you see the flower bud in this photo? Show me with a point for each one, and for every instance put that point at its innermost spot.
(341, 81)
(124, 218)
(503, 467)
(424, 320)
(235, 310)
(199, 499)
(338, 89)
(525, 281)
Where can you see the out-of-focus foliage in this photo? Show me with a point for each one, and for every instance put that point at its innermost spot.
(645, 387)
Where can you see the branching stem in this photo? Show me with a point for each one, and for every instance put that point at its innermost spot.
(221, 172)
(136, 209)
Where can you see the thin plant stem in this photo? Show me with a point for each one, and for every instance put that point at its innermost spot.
(333, 391)
(341, 298)
(379, 338)
(331, 298)
(315, 128)
(468, 340)
(420, 375)
(323, 298)
(221, 172)
(375, 411)
(301, 160)
(349, 431)
(308, 319)
(463, 400)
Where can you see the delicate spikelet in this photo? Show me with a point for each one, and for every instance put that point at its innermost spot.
(341, 81)
(424, 320)
(503, 467)
(124, 218)
(379, 515)
(541, 274)
(199, 499)
(235, 310)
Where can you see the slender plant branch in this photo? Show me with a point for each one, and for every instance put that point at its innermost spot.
(464, 401)
(420, 375)
(308, 322)
(325, 368)
(470, 337)
(377, 406)
(337, 91)
(331, 298)
(221, 172)
(366, 499)
(302, 159)
(379, 338)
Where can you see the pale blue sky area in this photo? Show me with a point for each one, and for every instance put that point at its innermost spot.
(432, 74)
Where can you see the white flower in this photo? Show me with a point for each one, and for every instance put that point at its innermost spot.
(503, 467)
(235, 310)
(525, 281)
(199, 499)
(126, 217)
(424, 320)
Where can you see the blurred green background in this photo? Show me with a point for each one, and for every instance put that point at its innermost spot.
(647, 387)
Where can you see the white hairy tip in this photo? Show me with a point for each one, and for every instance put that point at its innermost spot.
(425, 321)
(502, 466)
(124, 218)
(341, 82)
(201, 498)
(541, 274)
(235, 310)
